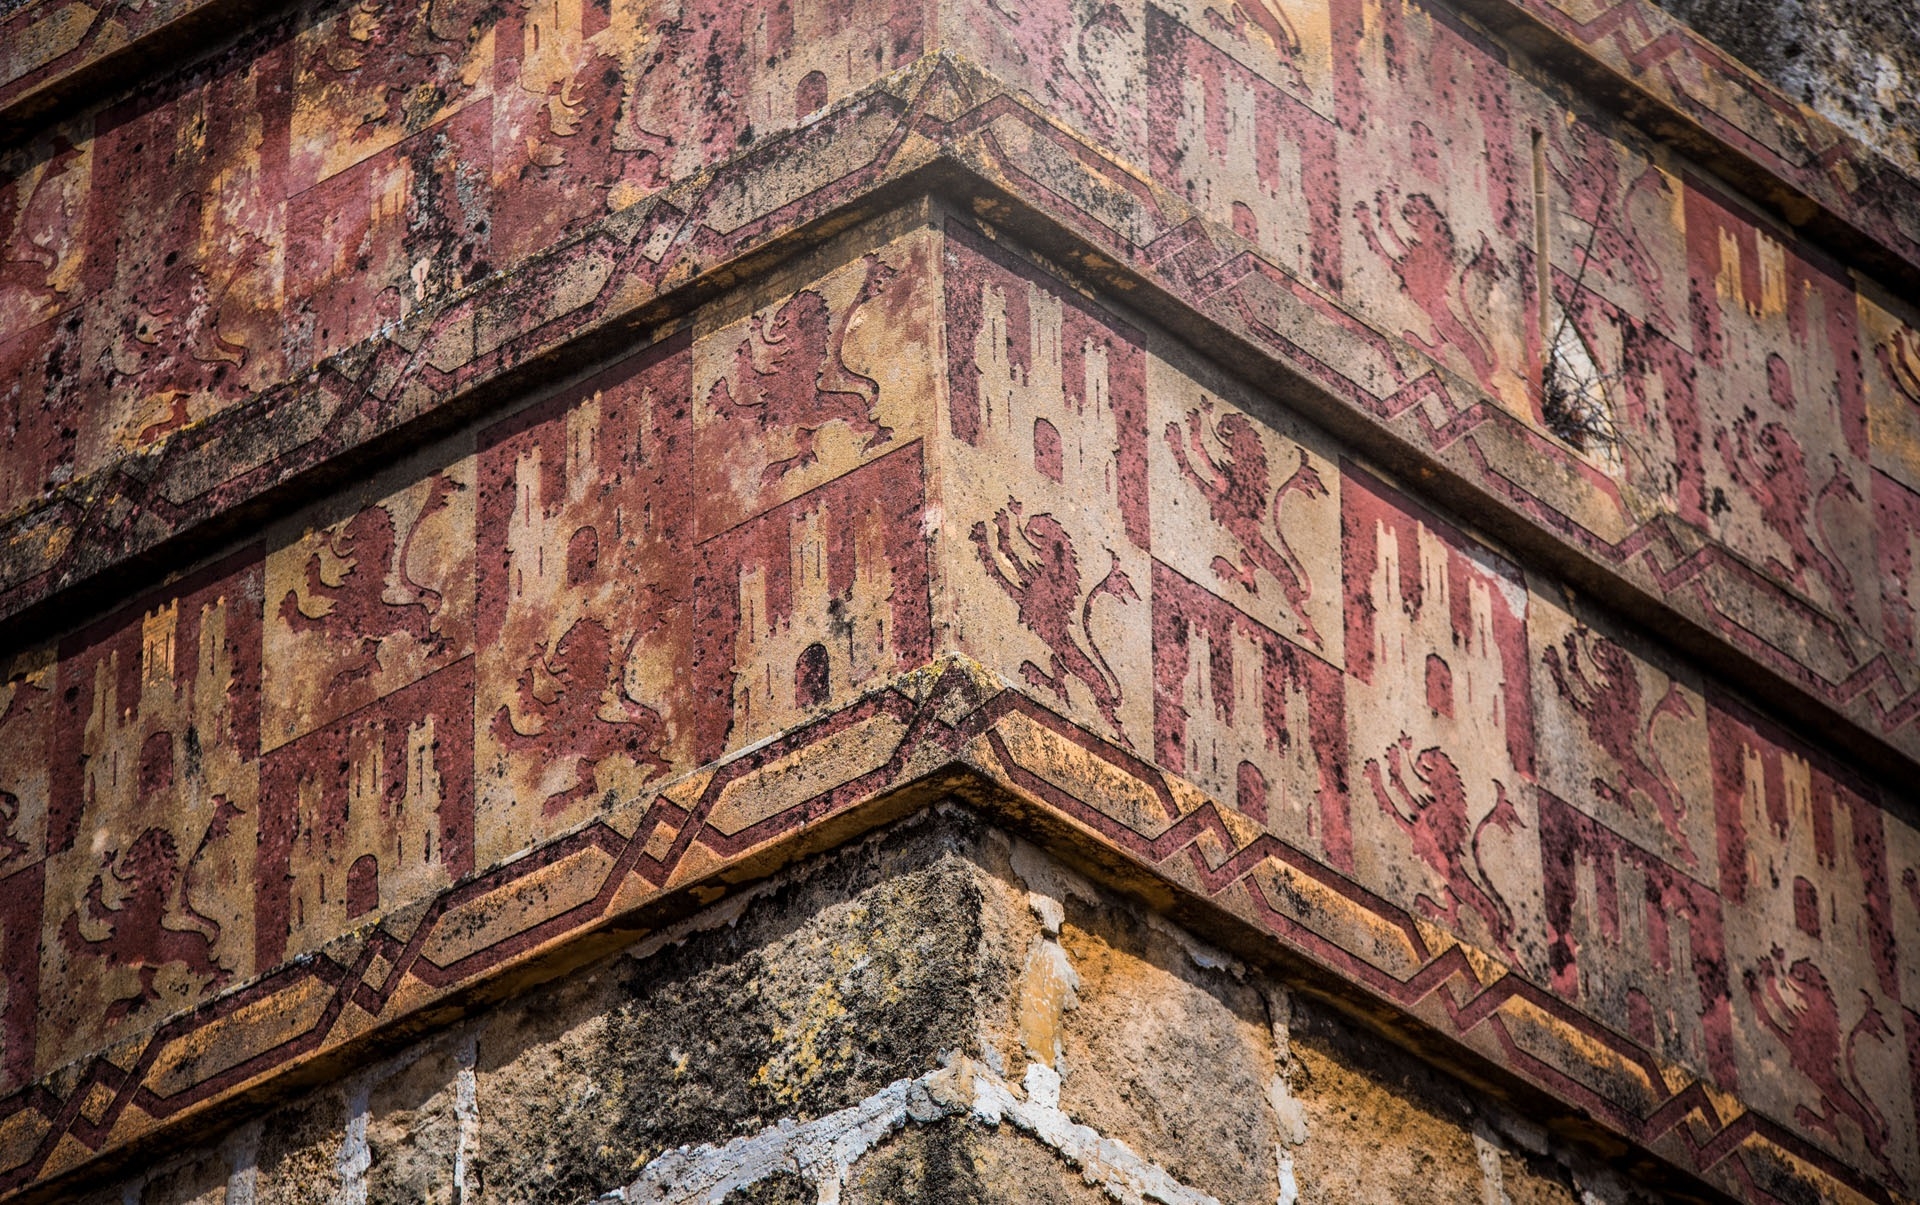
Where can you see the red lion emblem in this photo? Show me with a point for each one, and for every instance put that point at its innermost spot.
(565, 691)
(1236, 494)
(1426, 261)
(138, 934)
(1046, 591)
(1769, 463)
(1805, 1020)
(364, 611)
(1435, 821)
(1610, 705)
(806, 383)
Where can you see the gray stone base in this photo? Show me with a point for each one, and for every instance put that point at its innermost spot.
(937, 1013)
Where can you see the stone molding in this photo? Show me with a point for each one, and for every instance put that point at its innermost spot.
(950, 730)
(1657, 70)
(946, 131)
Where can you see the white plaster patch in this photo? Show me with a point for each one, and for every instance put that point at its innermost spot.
(1493, 1185)
(355, 1156)
(1043, 1085)
(1289, 1187)
(1050, 912)
(1048, 884)
(1202, 955)
(242, 1150)
(1289, 1112)
(1289, 1115)
(466, 1110)
(1106, 1163)
(823, 1151)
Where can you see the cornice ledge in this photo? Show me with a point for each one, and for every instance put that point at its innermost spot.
(951, 731)
(1665, 77)
(59, 55)
(935, 133)
(634, 276)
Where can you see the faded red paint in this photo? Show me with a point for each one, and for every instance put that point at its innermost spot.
(1615, 198)
(1296, 171)
(791, 374)
(358, 612)
(391, 234)
(1599, 681)
(1782, 405)
(1444, 823)
(843, 566)
(1424, 795)
(1455, 245)
(1649, 389)
(370, 602)
(27, 711)
(1032, 559)
(150, 812)
(41, 412)
(26, 733)
(1370, 511)
(601, 102)
(370, 165)
(1823, 999)
(1896, 513)
(21, 902)
(1076, 56)
(43, 196)
(185, 231)
(382, 75)
(379, 803)
(1243, 501)
(1268, 748)
(1631, 936)
(1419, 242)
(581, 670)
(585, 583)
(973, 271)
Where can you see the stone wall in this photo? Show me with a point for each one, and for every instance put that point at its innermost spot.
(938, 1013)
(1856, 61)
(1419, 493)
(418, 734)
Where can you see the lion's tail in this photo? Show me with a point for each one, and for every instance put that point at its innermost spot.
(1118, 584)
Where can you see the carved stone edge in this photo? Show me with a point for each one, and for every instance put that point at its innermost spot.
(934, 128)
(951, 731)
(1841, 190)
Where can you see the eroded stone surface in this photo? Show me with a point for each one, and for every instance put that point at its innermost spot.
(802, 1002)
(886, 985)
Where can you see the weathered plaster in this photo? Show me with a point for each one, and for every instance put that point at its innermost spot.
(633, 457)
